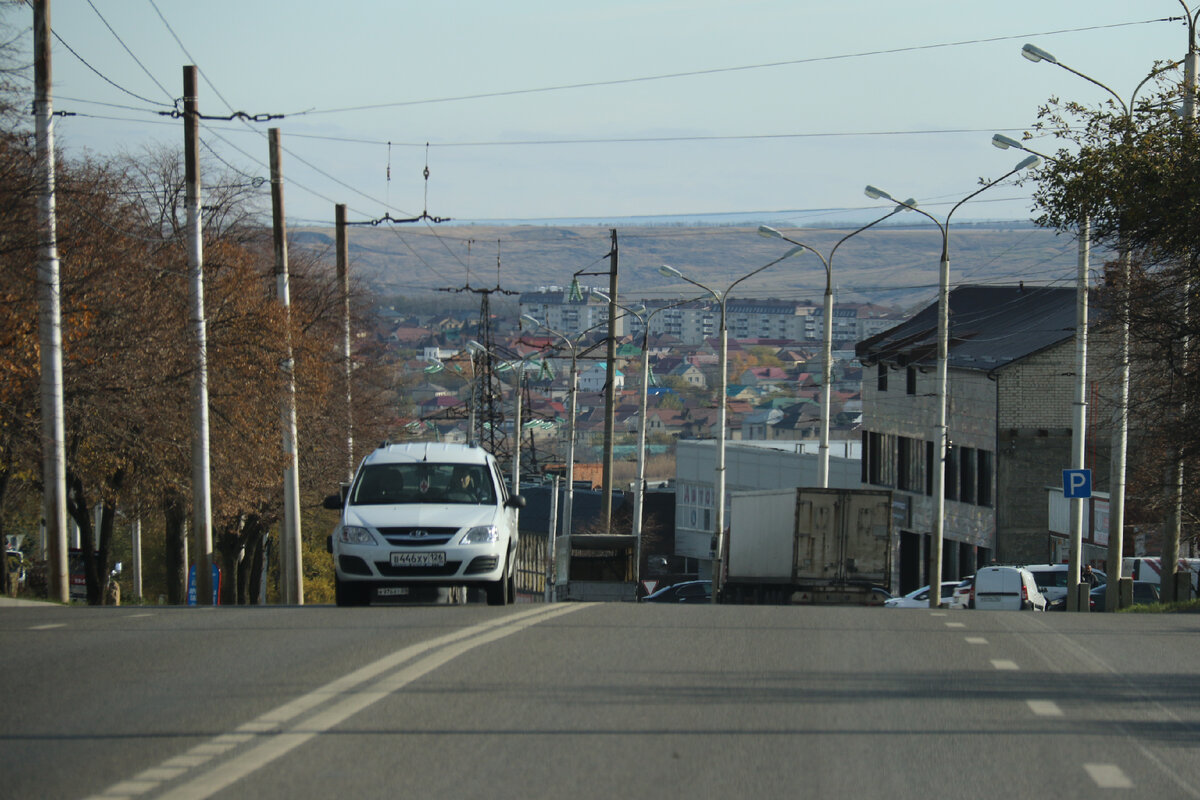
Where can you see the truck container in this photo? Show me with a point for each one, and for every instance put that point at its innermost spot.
(809, 546)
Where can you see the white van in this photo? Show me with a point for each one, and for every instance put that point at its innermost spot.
(1007, 589)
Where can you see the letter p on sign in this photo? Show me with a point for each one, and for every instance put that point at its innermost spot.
(1077, 483)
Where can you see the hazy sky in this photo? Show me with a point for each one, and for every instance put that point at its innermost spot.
(825, 97)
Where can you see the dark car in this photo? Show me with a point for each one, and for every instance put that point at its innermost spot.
(1144, 593)
(686, 592)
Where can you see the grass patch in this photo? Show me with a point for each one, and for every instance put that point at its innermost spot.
(1184, 607)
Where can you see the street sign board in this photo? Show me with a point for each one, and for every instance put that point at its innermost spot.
(1077, 483)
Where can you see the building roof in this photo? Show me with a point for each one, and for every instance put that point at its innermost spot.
(990, 327)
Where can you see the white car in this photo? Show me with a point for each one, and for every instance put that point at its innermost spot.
(919, 598)
(423, 516)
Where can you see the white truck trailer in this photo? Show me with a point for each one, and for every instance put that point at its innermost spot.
(809, 546)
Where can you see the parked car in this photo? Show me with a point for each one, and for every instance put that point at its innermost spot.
(1144, 593)
(961, 598)
(919, 598)
(1052, 581)
(685, 592)
(1007, 589)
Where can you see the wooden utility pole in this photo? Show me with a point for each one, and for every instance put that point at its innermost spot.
(54, 460)
(343, 278)
(610, 406)
(201, 473)
(291, 572)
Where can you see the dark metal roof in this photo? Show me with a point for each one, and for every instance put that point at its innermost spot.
(990, 327)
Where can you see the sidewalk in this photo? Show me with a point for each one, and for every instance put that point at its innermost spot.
(6, 602)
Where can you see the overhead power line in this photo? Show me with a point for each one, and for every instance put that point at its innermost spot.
(720, 70)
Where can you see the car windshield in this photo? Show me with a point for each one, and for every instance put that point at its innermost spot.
(387, 484)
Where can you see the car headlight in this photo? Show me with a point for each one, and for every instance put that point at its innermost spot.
(352, 534)
(482, 534)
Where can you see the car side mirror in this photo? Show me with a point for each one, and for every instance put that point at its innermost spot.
(333, 502)
(515, 501)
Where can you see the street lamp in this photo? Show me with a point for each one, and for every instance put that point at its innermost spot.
(827, 338)
(520, 366)
(1079, 413)
(943, 327)
(640, 493)
(439, 366)
(569, 506)
(721, 298)
(1120, 435)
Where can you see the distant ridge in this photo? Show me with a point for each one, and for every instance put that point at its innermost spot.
(892, 265)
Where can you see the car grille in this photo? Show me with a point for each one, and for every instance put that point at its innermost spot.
(417, 537)
(388, 571)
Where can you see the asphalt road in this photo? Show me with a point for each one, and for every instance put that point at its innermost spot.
(596, 701)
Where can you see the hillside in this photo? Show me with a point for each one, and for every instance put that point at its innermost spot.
(893, 265)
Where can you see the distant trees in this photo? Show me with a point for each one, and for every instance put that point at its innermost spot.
(127, 364)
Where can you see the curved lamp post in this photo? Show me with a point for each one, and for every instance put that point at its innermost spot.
(520, 366)
(1120, 435)
(440, 366)
(827, 337)
(569, 506)
(943, 347)
(719, 488)
(640, 493)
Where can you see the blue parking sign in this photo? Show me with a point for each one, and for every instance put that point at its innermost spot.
(1077, 484)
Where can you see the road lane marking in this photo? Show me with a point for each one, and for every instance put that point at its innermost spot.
(264, 735)
(956, 624)
(1001, 663)
(976, 640)
(938, 614)
(48, 627)
(1108, 776)
(138, 616)
(1045, 708)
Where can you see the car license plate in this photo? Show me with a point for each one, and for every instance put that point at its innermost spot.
(391, 591)
(418, 559)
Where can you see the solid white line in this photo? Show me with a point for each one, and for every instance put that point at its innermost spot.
(1000, 663)
(976, 640)
(346, 703)
(1108, 776)
(1045, 708)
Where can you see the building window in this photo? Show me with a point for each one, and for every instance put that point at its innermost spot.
(983, 474)
(910, 383)
(881, 377)
(881, 452)
(911, 465)
(966, 473)
(951, 473)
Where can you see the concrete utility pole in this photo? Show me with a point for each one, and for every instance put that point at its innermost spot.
(54, 460)
(610, 392)
(1077, 599)
(343, 278)
(201, 476)
(292, 571)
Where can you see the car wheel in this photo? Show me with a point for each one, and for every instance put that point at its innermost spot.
(351, 594)
(498, 590)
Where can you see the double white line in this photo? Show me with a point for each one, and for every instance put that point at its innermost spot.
(267, 737)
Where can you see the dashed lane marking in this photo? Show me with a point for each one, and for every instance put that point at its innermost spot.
(976, 640)
(1045, 708)
(1108, 776)
(1001, 663)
